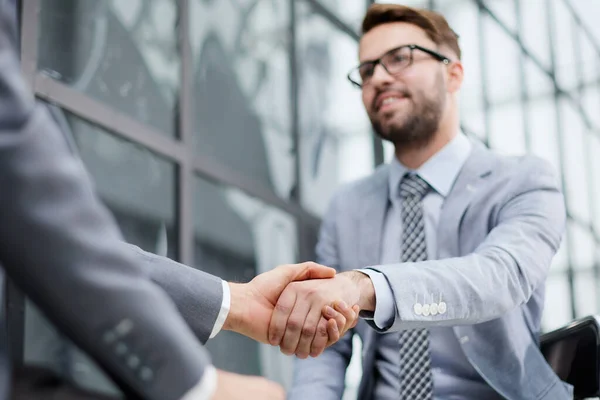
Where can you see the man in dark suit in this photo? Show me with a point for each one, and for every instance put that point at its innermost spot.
(120, 305)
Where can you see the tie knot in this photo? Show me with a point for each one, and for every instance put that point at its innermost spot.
(412, 185)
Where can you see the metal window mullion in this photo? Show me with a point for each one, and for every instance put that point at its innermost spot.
(484, 74)
(551, 74)
(334, 19)
(30, 14)
(561, 155)
(587, 157)
(106, 117)
(583, 27)
(523, 81)
(185, 176)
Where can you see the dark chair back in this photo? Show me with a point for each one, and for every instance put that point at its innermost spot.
(572, 352)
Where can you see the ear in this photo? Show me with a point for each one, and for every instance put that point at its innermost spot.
(455, 75)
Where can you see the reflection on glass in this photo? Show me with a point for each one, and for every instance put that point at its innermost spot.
(123, 53)
(335, 133)
(237, 237)
(139, 189)
(242, 90)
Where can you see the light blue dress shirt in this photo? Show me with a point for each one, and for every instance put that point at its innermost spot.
(453, 376)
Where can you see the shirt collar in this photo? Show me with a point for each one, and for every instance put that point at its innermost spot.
(440, 171)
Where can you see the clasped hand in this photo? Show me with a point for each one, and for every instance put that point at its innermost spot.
(303, 308)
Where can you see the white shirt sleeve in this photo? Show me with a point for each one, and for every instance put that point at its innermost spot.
(206, 388)
(225, 307)
(385, 308)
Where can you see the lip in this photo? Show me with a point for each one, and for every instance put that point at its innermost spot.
(385, 107)
(379, 106)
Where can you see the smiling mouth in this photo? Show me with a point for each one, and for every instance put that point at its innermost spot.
(389, 101)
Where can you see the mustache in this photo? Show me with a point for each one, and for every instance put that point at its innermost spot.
(400, 92)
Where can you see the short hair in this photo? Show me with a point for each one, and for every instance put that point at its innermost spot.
(434, 24)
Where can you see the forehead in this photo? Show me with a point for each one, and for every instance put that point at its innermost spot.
(388, 36)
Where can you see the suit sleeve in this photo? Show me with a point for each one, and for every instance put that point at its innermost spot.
(197, 295)
(323, 377)
(63, 249)
(505, 269)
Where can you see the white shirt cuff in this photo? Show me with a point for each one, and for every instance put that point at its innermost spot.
(206, 388)
(225, 307)
(385, 308)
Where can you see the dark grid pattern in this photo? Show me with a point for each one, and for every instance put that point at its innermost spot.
(190, 164)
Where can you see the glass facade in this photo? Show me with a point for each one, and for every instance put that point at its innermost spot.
(217, 131)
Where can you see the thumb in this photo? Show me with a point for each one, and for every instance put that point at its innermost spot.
(312, 270)
(301, 272)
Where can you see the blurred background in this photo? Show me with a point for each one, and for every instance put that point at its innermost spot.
(217, 130)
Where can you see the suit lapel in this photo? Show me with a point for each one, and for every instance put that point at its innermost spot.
(371, 220)
(467, 184)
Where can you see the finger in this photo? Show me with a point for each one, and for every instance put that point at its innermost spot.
(308, 332)
(338, 317)
(349, 315)
(280, 316)
(326, 330)
(312, 270)
(293, 328)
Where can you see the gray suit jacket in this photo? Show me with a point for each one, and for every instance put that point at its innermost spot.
(499, 228)
(63, 249)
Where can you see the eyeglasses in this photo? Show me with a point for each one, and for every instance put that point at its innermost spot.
(393, 61)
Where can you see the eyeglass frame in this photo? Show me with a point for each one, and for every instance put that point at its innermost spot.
(438, 56)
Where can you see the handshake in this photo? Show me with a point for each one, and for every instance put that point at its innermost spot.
(302, 308)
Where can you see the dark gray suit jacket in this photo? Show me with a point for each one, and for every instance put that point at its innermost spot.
(63, 249)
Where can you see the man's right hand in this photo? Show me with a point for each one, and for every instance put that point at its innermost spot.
(253, 305)
(232, 386)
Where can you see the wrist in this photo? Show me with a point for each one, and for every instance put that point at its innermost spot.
(366, 289)
(236, 317)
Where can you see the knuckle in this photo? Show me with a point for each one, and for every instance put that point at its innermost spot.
(294, 325)
(282, 307)
(308, 331)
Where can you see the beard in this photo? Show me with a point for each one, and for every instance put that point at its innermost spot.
(419, 125)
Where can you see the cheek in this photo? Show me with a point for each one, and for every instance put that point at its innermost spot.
(367, 98)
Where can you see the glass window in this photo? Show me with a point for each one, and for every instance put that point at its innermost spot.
(335, 133)
(541, 112)
(534, 29)
(242, 90)
(590, 102)
(564, 45)
(139, 189)
(350, 12)
(504, 11)
(586, 295)
(236, 238)
(560, 262)
(575, 158)
(595, 175)
(558, 302)
(123, 53)
(502, 63)
(538, 83)
(507, 134)
(582, 246)
(463, 17)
